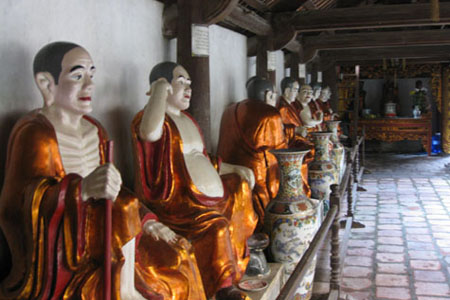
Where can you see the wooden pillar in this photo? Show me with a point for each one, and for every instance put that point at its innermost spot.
(314, 70)
(295, 60)
(445, 116)
(261, 57)
(329, 78)
(190, 12)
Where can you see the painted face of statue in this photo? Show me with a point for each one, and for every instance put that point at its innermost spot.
(325, 95)
(317, 91)
(271, 98)
(292, 92)
(75, 87)
(181, 86)
(306, 94)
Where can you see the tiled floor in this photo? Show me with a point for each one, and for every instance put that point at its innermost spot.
(404, 250)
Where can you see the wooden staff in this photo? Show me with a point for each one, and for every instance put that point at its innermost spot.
(108, 229)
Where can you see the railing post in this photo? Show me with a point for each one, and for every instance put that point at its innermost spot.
(350, 187)
(334, 258)
(356, 165)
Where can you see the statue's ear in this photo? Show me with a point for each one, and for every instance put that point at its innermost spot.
(46, 85)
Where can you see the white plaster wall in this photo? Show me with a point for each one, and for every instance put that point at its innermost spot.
(124, 39)
(228, 73)
(279, 71)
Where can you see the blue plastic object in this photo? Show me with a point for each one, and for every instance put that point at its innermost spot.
(436, 143)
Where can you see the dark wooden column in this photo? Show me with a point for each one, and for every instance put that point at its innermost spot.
(329, 78)
(314, 70)
(445, 111)
(190, 12)
(295, 60)
(261, 57)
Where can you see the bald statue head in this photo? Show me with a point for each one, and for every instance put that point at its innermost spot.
(63, 72)
(306, 94)
(49, 58)
(289, 88)
(163, 70)
(180, 81)
(261, 89)
(325, 94)
(317, 89)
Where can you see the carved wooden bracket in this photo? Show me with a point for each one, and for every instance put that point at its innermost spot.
(214, 11)
(218, 10)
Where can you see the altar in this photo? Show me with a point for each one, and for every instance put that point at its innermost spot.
(398, 129)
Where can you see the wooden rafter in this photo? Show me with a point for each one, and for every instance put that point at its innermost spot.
(440, 53)
(378, 39)
(377, 16)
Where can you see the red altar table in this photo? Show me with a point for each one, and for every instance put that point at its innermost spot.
(398, 129)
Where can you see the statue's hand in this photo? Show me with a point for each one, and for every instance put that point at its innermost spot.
(160, 231)
(103, 183)
(246, 174)
(161, 87)
(320, 115)
(302, 130)
(243, 172)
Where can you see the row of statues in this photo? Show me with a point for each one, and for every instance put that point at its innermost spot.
(182, 233)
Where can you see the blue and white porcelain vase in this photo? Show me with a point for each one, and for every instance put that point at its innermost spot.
(322, 170)
(338, 152)
(291, 218)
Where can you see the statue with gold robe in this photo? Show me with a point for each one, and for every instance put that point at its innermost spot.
(310, 117)
(199, 197)
(249, 130)
(51, 213)
(291, 122)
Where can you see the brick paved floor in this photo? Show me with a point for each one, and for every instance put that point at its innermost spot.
(404, 251)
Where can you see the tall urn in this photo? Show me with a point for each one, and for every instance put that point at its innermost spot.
(322, 171)
(291, 218)
(338, 152)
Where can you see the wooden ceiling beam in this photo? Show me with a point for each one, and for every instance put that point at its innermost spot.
(378, 39)
(249, 21)
(362, 17)
(441, 53)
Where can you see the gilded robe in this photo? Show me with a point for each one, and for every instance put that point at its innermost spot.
(326, 109)
(291, 121)
(217, 227)
(56, 240)
(248, 131)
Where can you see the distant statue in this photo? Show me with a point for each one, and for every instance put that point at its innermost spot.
(420, 99)
(324, 104)
(291, 121)
(249, 130)
(196, 195)
(51, 211)
(309, 118)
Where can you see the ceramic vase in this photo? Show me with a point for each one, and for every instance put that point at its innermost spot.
(416, 111)
(322, 170)
(338, 152)
(291, 219)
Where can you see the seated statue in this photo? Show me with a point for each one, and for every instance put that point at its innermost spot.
(325, 107)
(197, 196)
(291, 122)
(310, 120)
(249, 130)
(51, 212)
